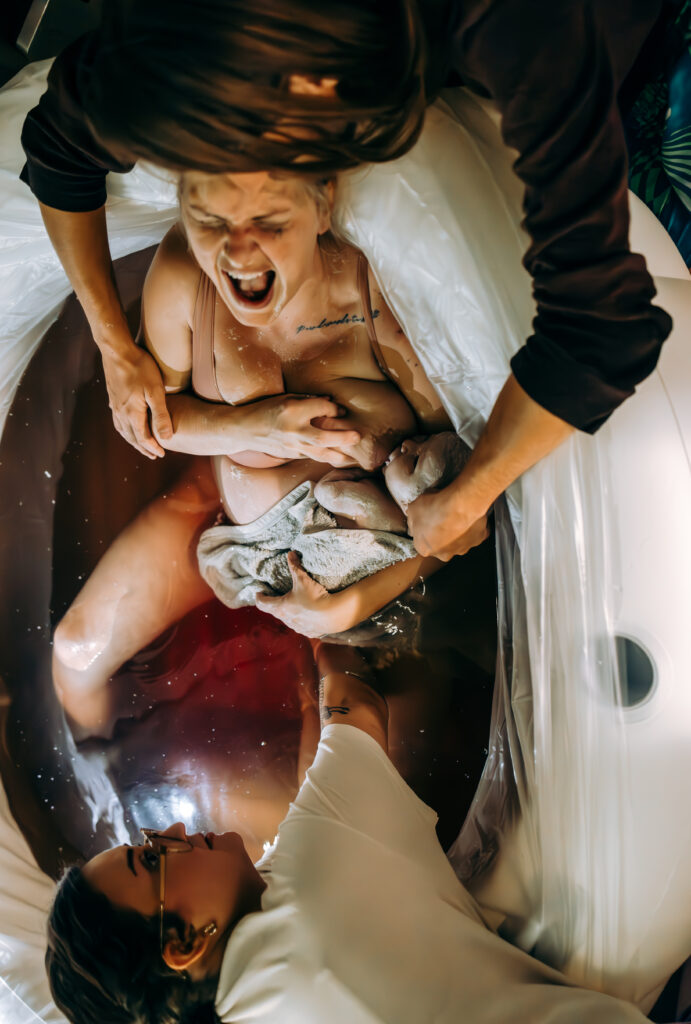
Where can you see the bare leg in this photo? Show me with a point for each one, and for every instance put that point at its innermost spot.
(146, 580)
(360, 497)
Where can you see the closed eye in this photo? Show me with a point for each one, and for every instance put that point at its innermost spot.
(272, 229)
(207, 223)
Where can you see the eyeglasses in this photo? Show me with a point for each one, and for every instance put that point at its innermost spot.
(163, 845)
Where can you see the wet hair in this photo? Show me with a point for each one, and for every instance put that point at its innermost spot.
(105, 966)
(203, 84)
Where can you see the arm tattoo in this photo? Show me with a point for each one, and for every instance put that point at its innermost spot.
(329, 710)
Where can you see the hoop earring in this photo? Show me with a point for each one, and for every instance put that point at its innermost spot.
(208, 930)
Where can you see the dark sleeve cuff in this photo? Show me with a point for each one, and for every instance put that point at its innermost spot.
(576, 392)
(66, 166)
(65, 192)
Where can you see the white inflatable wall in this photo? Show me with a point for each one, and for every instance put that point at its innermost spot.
(592, 875)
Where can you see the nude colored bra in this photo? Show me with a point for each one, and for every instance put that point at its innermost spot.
(204, 381)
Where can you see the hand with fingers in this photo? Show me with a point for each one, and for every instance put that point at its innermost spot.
(440, 522)
(442, 529)
(307, 608)
(301, 427)
(135, 387)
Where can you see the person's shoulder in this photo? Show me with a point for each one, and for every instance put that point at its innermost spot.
(173, 259)
(173, 278)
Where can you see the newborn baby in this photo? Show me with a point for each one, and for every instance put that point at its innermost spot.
(418, 465)
(345, 527)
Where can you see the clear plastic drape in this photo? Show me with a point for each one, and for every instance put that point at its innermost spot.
(579, 840)
(578, 845)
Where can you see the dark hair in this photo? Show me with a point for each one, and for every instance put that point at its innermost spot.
(105, 966)
(203, 84)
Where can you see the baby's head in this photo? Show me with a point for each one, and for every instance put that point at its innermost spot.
(422, 463)
(256, 235)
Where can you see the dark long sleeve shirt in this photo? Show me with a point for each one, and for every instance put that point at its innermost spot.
(554, 68)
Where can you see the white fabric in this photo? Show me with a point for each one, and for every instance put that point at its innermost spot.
(364, 921)
(25, 895)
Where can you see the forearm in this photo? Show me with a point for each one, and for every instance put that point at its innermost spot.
(81, 242)
(207, 428)
(518, 434)
(346, 691)
(362, 599)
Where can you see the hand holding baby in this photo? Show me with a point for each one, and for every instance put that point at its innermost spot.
(418, 475)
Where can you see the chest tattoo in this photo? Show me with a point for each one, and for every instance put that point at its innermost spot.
(347, 318)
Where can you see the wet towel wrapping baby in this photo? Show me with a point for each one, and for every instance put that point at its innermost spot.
(239, 562)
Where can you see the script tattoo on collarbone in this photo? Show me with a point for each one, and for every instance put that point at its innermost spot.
(345, 320)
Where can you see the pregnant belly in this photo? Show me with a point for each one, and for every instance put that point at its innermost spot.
(248, 491)
(257, 460)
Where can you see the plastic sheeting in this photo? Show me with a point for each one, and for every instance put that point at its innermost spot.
(579, 840)
(578, 844)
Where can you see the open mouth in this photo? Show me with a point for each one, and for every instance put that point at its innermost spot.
(252, 289)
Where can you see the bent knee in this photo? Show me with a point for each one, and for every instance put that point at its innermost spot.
(76, 644)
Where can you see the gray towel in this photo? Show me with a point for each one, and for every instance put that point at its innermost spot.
(239, 562)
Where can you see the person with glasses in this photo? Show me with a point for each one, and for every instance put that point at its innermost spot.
(354, 916)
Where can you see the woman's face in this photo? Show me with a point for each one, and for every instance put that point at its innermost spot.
(210, 882)
(255, 236)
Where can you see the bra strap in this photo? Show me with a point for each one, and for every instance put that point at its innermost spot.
(204, 381)
(366, 302)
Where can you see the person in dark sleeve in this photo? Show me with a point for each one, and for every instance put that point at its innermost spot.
(348, 82)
